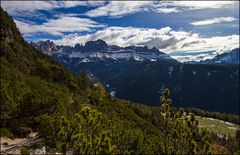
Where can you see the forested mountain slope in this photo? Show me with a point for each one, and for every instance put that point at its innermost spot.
(127, 71)
(75, 116)
(209, 87)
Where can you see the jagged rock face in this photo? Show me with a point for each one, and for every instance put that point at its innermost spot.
(99, 50)
(78, 47)
(47, 47)
(231, 57)
(94, 46)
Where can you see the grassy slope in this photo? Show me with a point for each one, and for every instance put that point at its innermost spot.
(218, 126)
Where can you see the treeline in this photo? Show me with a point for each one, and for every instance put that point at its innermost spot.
(217, 115)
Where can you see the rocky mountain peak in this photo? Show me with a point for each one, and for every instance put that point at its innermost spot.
(97, 45)
(99, 50)
(231, 57)
(47, 47)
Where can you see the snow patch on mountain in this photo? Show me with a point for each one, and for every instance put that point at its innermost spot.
(228, 57)
(194, 72)
(112, 93)
(170, 69)
(99, 50)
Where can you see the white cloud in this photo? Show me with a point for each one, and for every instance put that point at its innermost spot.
(197, 57)
(121, 8)
(59, 26)
(17, 6)
(213, 21)
(123, 36)
(112, 8)
(167, 10)
(196, 5)
(165, 39)
(24, 8)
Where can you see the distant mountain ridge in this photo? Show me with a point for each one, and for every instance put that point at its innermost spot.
(231, 57)
(99, 50)
(47, 47)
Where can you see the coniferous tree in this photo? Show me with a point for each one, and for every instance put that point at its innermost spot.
(180, 131)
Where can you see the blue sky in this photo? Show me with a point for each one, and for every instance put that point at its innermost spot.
(187, 30)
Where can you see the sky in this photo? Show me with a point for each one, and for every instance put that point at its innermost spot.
(186, 30)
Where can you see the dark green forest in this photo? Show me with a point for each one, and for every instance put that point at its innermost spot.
(128, 79)
(72, 114)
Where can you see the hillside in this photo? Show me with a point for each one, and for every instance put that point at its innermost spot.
(73, 115)
(192, 85)
(125, 72)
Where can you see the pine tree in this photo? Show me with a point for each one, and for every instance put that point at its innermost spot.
(86, 133)
(180, 131)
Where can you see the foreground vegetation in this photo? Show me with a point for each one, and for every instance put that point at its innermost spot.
(74, 115)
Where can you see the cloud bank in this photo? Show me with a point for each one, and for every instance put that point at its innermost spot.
(59, 26)
(22, 8)
(165, 39)
(112, 8)
(213, 21)
(122, 8)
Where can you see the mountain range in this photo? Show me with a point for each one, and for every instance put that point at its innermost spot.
(140, 74)
(99, 50)
(231, 57)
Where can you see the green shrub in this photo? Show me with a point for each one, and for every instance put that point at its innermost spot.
(25, 151)
(6, 133)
